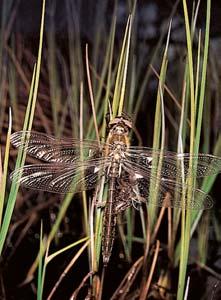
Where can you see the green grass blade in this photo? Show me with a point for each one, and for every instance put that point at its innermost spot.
(188, 217)
(27, 126)
(119, 91)
(5, 168)
(158, 130)
(203, 77)
(14, 186)
(108, 89)
(40, 267)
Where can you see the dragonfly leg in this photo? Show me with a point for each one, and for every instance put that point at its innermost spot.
(122, 206)
(137, 203)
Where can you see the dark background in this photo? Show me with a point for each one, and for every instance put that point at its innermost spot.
(150, 19)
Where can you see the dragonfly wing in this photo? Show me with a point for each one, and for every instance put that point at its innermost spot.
(169, 192)
(50, 149)
(61, 178)
(173, 164)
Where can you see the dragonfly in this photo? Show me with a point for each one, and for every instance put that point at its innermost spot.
(73, 165)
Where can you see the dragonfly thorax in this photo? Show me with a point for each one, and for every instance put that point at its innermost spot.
(117, 151)
(117, 154)
(118, 142)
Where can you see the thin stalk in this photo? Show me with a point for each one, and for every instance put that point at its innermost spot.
(186, 215)
(3, 178)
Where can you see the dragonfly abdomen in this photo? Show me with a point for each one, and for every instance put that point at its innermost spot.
(109, 224)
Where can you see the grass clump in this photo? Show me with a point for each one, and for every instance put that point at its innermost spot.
(93, 80)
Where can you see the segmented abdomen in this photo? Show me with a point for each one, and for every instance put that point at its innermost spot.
(109, 224)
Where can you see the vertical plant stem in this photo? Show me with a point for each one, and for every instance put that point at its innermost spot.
(186, 215)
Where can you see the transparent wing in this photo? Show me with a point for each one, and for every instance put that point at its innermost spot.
(169, 192)
(50, 149)
(61, 178)
(205, 164)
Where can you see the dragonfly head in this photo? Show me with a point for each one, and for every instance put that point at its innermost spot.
(120, 125)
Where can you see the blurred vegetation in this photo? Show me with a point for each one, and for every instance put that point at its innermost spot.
(171, 90)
